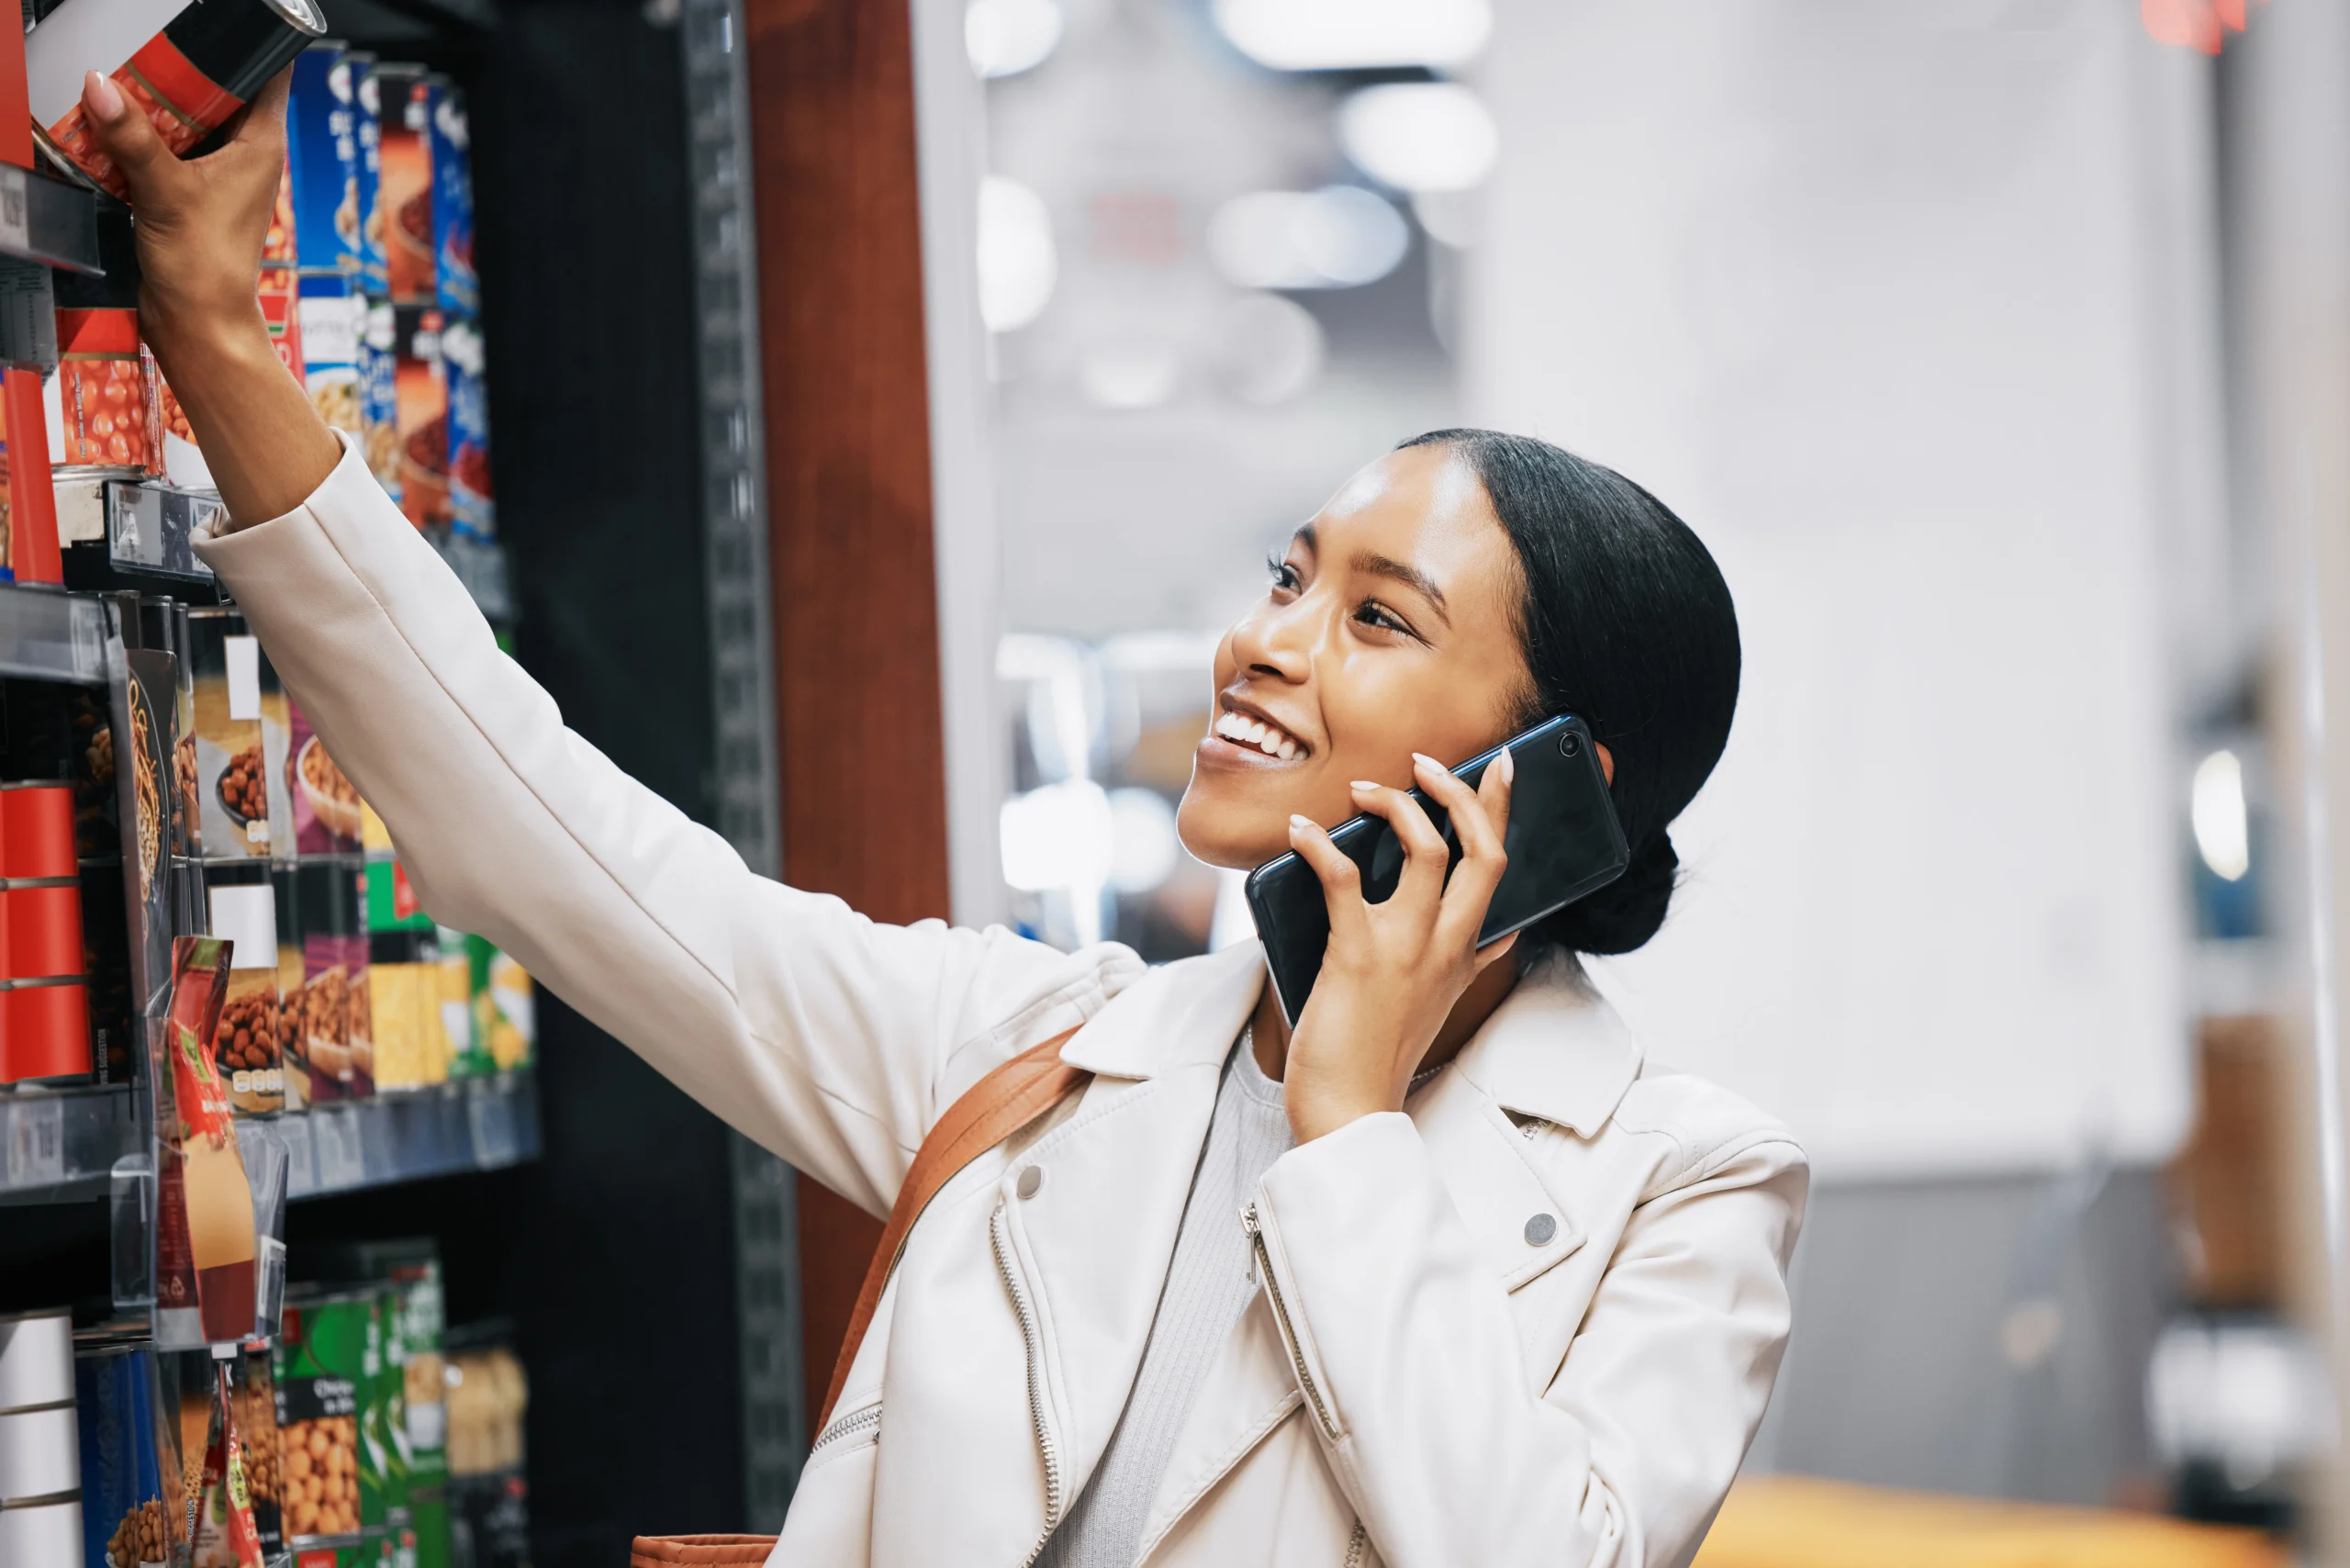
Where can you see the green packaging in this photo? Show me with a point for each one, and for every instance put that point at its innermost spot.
(327, 1365)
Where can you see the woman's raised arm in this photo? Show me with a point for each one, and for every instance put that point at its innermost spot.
(827, 1037)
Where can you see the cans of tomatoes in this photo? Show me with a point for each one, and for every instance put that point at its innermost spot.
(188, 66)
(105, 416)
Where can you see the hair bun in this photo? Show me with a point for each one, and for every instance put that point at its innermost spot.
(1627, 911)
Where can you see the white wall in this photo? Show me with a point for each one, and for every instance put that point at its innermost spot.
(1903, 309)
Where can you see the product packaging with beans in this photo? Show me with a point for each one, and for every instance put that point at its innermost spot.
(234, 692)
(329, 1010)
(132, 1487)
(326, 1380)
(101, 403)
(249, 1044)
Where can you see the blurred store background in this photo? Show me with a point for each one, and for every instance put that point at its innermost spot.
(1944, 325)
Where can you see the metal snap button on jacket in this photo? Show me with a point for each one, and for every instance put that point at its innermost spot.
(1538, 1230)
(1030, 1179)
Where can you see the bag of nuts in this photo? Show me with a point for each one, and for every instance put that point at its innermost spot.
(249, 1047)
(322, 1383)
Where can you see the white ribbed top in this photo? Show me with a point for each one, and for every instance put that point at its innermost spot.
(1209, 1281)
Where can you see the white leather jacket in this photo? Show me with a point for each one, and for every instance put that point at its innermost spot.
(1533, 1318)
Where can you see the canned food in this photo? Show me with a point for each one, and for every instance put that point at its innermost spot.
(248, 1046)
(471, 509)
(48, 1531)
(28, 524)
(187, 67)
(36, 1359)
(451, 139)
(36, 829)
(40, 927)
(45, 1029)
(104, 417)
(329, 1361)
(40, 1453)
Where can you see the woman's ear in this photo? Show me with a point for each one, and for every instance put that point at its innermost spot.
(1606, 762)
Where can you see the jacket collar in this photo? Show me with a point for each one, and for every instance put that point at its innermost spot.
(1554, 1049)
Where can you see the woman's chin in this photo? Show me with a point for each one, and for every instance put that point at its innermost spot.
(1228, 837)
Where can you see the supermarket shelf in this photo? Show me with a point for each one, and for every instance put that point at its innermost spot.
(60, 1147)
(48, 221)
(480, 564)
(477, 1124)
(48, 634)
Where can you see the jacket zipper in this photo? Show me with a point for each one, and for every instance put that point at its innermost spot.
(846, 1426)
(997, 1232)
(1355, 1545)
(1289, 1330)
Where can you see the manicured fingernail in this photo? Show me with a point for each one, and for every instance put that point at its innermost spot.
(1507, 766)
(1365, 784)
(1299, 825)
(102, 97)
(1429, 762)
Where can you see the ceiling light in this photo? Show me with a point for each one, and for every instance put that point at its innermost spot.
(1420, 136)
(1018, 265)
(1353, 35)
(2222, 833)
(1007, 37)
(1338, 237)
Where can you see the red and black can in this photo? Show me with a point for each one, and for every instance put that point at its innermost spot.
(188, 67)
(36, 829)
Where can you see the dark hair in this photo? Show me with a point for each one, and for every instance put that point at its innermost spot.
(1626, 625)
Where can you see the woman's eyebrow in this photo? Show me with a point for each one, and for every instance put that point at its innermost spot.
(1419, 582)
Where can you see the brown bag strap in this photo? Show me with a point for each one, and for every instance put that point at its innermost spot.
(991, 1111)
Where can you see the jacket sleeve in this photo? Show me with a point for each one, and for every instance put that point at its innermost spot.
(824, 1036)
(1447, 1448)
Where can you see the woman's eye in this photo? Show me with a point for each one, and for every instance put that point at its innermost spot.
(1373, 613)
(1284, 576)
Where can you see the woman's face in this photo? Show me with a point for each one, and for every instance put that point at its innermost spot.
(1389, 628)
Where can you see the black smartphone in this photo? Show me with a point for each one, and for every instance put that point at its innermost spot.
(1563, 841)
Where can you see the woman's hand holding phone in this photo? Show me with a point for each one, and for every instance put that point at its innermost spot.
(1392, 971)
(200, 224)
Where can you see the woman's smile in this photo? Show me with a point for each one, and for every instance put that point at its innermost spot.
(1244, 736)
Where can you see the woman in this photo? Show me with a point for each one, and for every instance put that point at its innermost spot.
(1448, 1274)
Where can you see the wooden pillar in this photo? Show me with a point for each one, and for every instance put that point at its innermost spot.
(858, 735)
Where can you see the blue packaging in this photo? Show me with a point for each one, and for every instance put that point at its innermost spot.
(123, 1494)
(379, 409)
(453, 200)
(470, 510)
(322, 148)
(374, 265)
(334, 319)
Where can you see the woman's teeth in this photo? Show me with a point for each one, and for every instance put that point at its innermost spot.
(1242, 730)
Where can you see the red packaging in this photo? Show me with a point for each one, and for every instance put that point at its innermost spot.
(199, 1145)
(28, 516)
(45, 1029)
(40, 925)
(421, 389)
(404, 183)
(105, 393)
(225, 1533)
(282, 312)
(37, 830)
(186, 68)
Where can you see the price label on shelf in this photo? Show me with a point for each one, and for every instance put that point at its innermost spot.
(36, 1142)
(301, 1164)
(335, 1141)
(490, 1110)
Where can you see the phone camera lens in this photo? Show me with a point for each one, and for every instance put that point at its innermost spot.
(1571, 744)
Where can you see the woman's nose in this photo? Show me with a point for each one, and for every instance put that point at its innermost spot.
(1277, 640)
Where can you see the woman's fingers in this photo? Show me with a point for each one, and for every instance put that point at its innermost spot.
(1341, 879)
(1426, 854)
(1479, 817)
(124, 135)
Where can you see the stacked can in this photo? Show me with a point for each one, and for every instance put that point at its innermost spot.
(44, 992)
(40, 1450)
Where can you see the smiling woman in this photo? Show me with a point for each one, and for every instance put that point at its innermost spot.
(1447, 1273)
